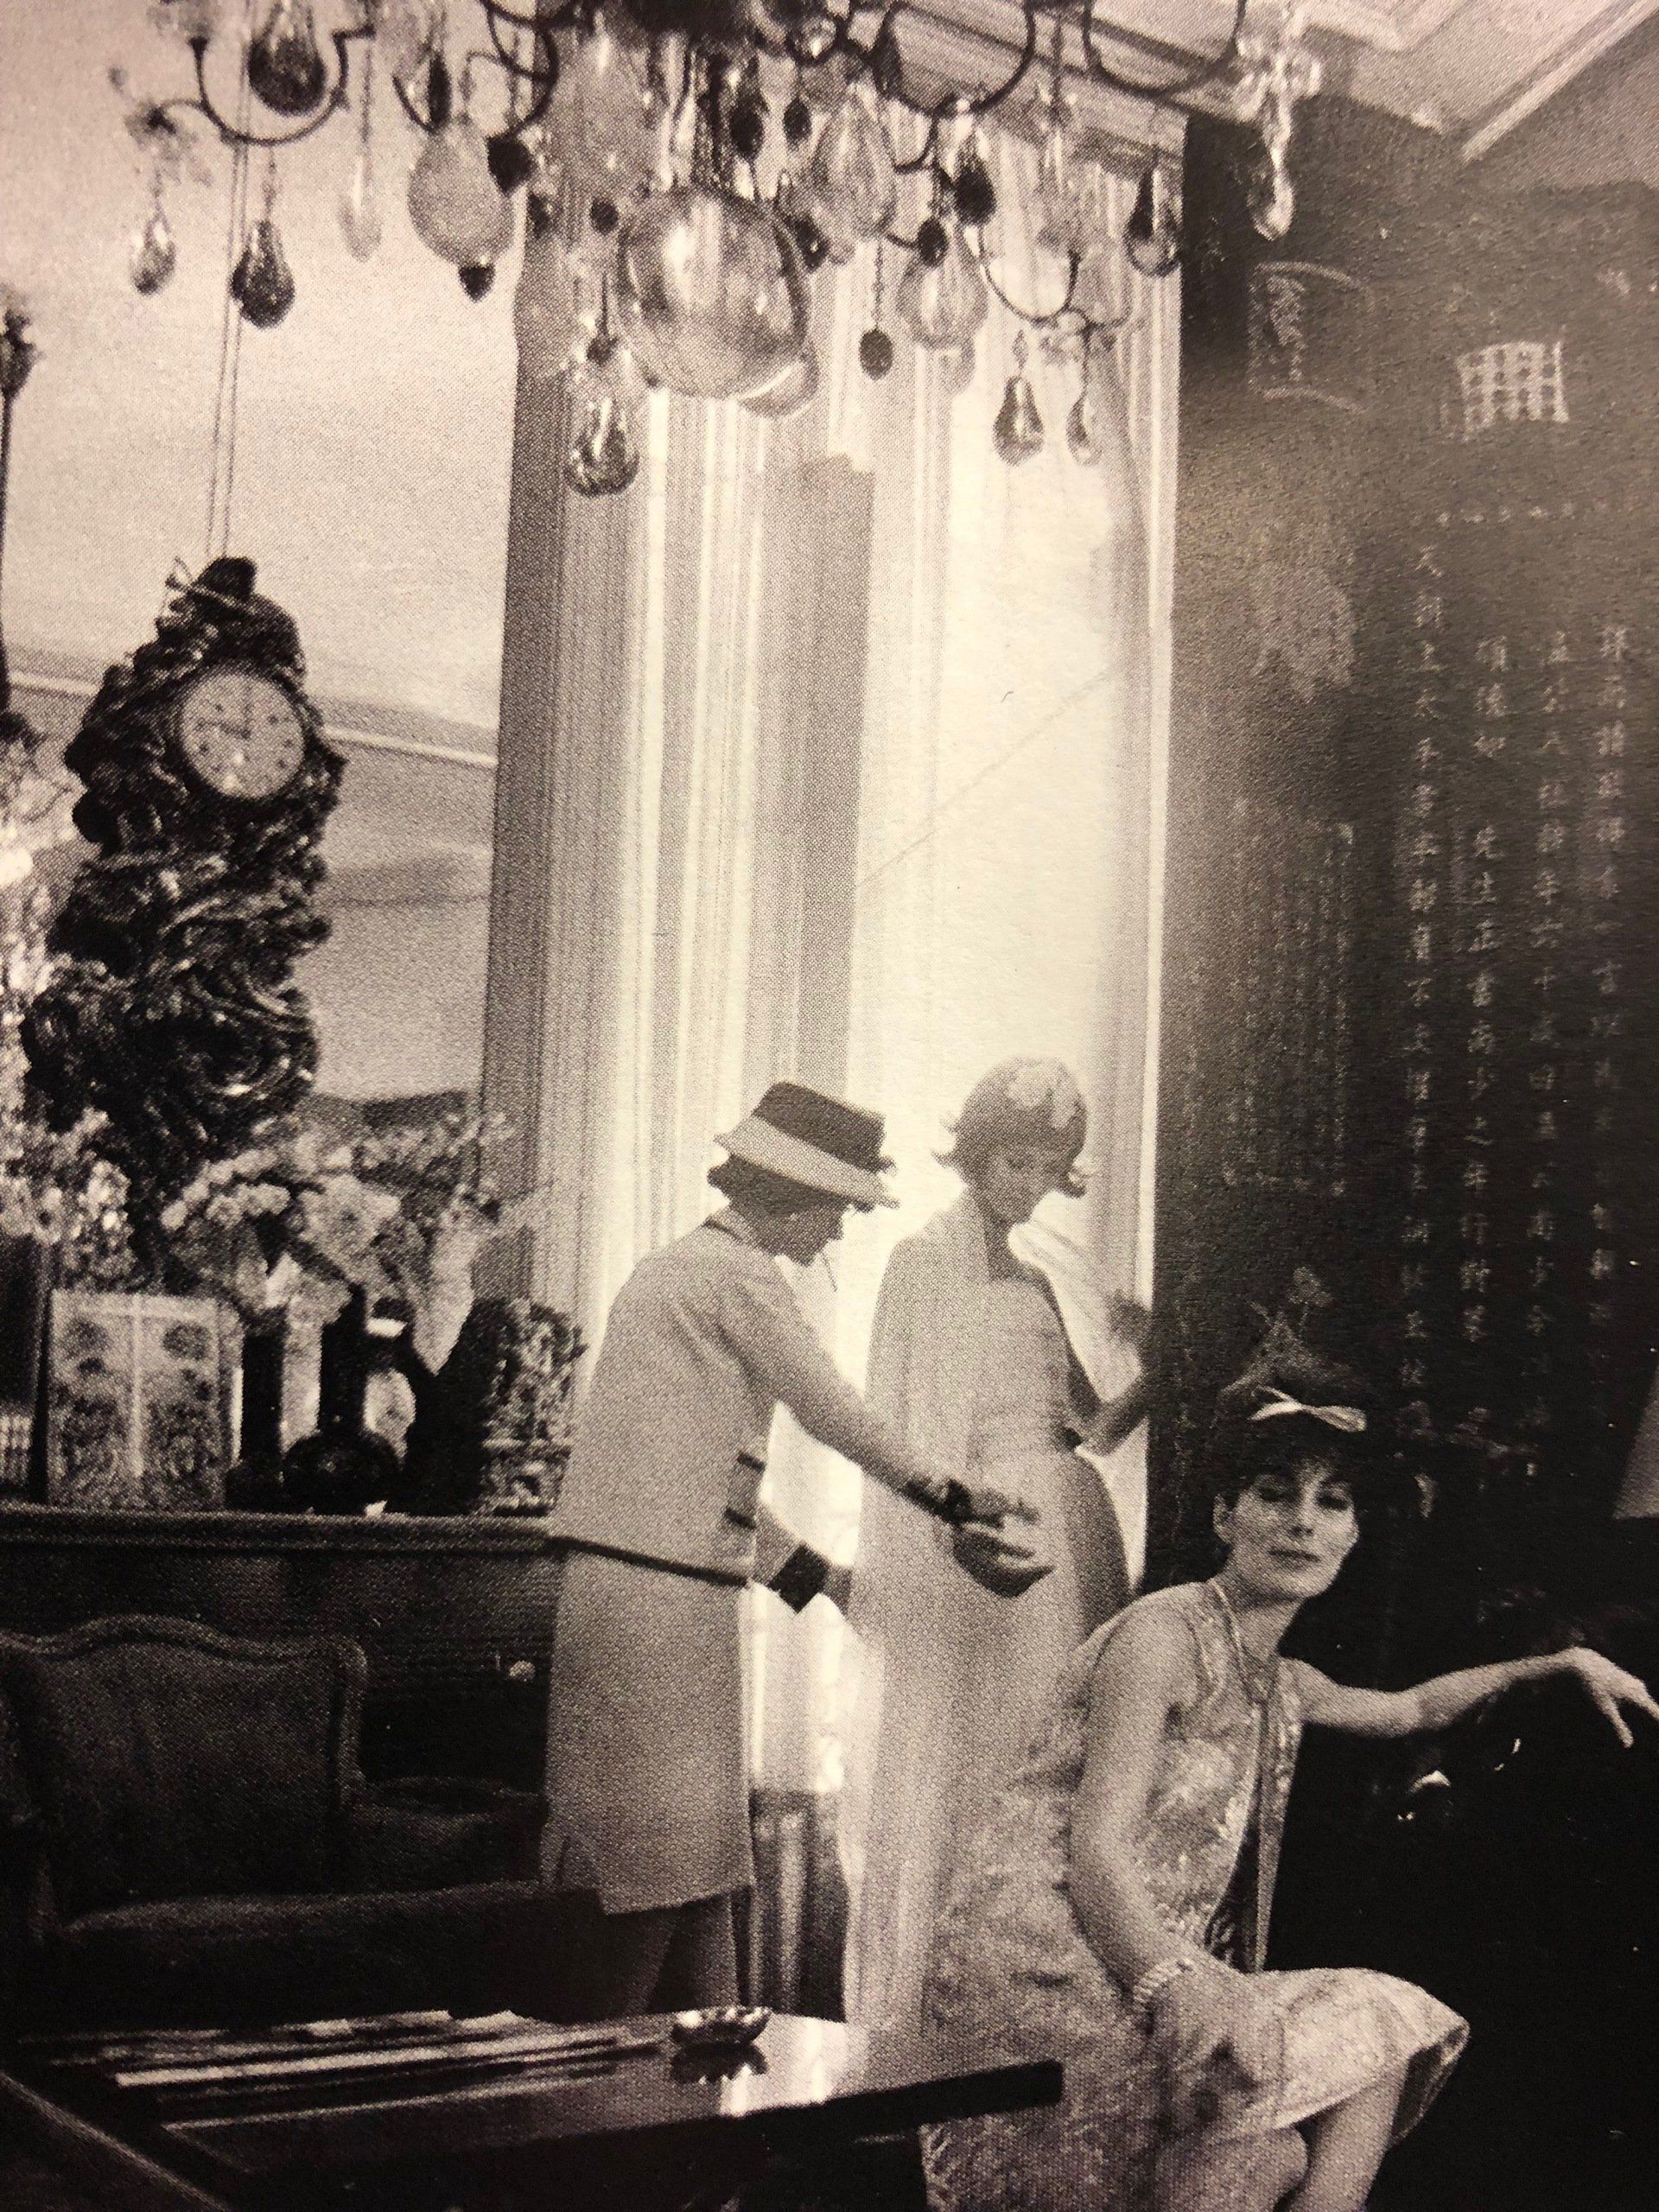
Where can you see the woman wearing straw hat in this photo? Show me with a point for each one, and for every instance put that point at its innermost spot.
(646, 1770)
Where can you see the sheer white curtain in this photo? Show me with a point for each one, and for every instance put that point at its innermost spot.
(1009, 824)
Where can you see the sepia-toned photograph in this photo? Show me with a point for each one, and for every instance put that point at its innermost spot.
(829, 1047)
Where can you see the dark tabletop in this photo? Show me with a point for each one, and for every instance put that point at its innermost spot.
(656, 2127)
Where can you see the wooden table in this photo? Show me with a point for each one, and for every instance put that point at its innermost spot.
(645, 2132)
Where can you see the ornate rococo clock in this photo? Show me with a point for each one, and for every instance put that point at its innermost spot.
(208, 782)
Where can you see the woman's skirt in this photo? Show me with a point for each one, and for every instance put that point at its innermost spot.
(646, 1767)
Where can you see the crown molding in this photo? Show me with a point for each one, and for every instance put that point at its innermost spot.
(1596, 37)
(1400, 28)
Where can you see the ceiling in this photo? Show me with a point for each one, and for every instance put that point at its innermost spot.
(1473, 68)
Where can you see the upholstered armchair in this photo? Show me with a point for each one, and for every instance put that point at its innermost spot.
(187, 1837)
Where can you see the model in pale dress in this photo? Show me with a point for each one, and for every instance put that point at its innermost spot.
(1114, 1909)
(972, 1361)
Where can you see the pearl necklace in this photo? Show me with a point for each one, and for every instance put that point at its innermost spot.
(1257, 1675)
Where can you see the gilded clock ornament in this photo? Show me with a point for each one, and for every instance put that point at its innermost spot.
(173, 1008)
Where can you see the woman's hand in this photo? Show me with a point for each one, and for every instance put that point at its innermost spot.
(1215, 2037)
(998, 1563)
(1133, 1323)
(1610, 1689)
(997, 1505)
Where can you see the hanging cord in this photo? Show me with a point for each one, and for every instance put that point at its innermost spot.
(222, 468)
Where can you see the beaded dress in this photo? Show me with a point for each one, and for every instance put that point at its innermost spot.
(1014, 1972)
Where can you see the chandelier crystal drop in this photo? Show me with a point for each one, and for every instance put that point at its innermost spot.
(599, 113)
(453, 202)
(359, 207)
(853, 184)
(263, 284)
(1152, 237)
(794, 391)
(604, 456)
(710, 293)
(285, 66)
(1018, 433)
(942, 300)
(685, 167)
(155, 255)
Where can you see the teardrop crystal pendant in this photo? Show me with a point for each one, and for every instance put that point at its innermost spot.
(286, 69)
(1017, 434)
(603, 456)
(453, 202)
(547, 317)
(1056, 193)
(851, 184)
(943, 303)
(1272, 200)
(796, 388)
(1084, 434)
(1152, 235)
(154, 255)
(263, 285)
(360, 208)
(601, 104)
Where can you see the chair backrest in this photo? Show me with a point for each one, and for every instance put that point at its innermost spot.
(169, 1760)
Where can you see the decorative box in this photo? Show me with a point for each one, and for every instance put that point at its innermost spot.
(492, 1434)
(141, 1411)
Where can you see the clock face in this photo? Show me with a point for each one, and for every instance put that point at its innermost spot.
(240, 734)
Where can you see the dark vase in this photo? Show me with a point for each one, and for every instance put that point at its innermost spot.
(254, 1484)
(342, 1466)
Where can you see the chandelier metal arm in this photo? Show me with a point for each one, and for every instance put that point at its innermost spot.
(1055, 316)
(543, 22)
(1196, 78)
(203, 103)
(948, 104)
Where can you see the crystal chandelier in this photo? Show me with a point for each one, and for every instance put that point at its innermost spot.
(686, 167)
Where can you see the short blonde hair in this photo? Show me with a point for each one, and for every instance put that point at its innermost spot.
(1022, 1101)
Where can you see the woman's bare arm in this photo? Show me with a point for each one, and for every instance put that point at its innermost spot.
(1446, 1699)
(1144, 1674)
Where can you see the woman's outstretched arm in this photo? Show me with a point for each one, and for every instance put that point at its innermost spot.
(1439, 1702)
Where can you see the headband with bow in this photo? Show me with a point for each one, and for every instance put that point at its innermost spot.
(1349, 1419)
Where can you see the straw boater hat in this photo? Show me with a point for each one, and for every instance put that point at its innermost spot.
(816, 1140)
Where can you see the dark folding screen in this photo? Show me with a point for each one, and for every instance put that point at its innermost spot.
(1410, 940)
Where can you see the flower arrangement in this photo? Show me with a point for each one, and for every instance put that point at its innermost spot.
(62, 1190)
(294, 1223)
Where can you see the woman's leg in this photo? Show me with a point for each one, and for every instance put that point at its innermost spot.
(1345, 2146)
(700, 1964)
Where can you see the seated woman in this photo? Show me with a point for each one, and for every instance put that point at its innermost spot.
(1114, 1912)
(995, 1348)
